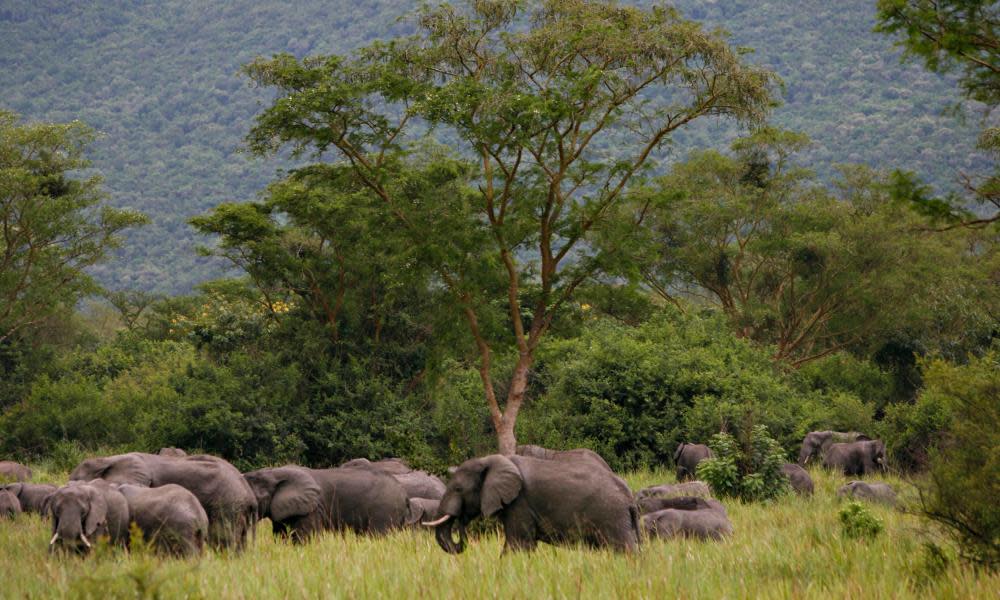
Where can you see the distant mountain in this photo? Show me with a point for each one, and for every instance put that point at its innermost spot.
(159, 79)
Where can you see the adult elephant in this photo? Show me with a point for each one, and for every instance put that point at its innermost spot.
(574, 454)
(686, 458)
(83, 512)
(539, 500)
(798, 478)
(418, 484)
(11, 471)
(302, 502)
(653, 504)
(228, 500)
(30, 495)
(668, 490)
(874, 491)
(10, 506)
(816, 443)
(856, 458)
(170, 517)
(694, 518)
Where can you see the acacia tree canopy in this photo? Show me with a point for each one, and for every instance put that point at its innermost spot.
(557, 106)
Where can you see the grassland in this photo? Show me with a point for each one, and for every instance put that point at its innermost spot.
(789, 548)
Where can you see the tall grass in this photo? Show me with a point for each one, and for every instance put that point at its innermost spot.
(792, 547)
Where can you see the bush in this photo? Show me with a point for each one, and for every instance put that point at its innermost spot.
(963, 481)
(911, 430)
(858, 522)
(749, 469)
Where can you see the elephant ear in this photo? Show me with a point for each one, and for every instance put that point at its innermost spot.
(13, 488)
(501, 485)
(296, 494)
(97, 514)
(678, 451)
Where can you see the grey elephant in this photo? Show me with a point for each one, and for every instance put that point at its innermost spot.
(11, 471)
(83, 512)
(655, 503)
(687, 456)
(170, 517)
(798, 478)
(667, 490)
(418, 484)
(574, 454)
(816, 443)
(302, 502)
(707, 523)
(10, 506)
(539, 500)
(228, 501)
(172, 452)
(856, 458)
(422, 509)
(30, 495)
(870, 491)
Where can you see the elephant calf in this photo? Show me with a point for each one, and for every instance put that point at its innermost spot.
(667, 490)
(10, 506)
(83, 512)
(798, 478)
(170, 517)
(12, 471)
(856, 458)
(30, 495)
(687, 456)
(872, 492)
(689, 517)
(539, 500)
(654, 503)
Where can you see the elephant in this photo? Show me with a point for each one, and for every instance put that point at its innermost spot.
(816, 443)
(653, 504)
(798, 478)
(302, 502)
(702, 523)
(170, 517)
(11, 471)
(539, 500)
(574, 454)
(227, 499)
(856, 458)
(872, 492)
(10, 506)
(30, 495)
(83, 512)
(418, 484)
(688, 488)
(687, 456)
(172, 452)
(422, 509)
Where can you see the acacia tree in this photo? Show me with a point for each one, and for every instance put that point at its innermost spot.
(559, 106)
(52, 225)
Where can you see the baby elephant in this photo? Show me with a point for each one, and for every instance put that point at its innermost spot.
(687, 456)
(170, 517)
(798, 478)
(872, 492)
(669, 490)
(692, 517)
(653, 504)
(10, 506)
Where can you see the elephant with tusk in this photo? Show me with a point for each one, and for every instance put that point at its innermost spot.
(84, 512)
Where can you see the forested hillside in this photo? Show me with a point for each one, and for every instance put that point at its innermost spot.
(160, 81)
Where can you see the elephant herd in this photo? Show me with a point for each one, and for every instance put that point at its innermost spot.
(181, 503)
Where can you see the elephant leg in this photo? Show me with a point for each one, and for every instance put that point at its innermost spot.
(520, 531)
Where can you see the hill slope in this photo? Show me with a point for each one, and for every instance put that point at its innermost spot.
(160, 80)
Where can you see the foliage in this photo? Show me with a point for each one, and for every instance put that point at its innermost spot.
(911, 430)
(858, 522)
(55, 225)
(749, 469)
(964, 475)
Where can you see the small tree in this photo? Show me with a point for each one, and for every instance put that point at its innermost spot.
(559, 104)
(749, 469)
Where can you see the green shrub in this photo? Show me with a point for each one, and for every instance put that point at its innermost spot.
(912, 430)
(749, 469)
(858, 522)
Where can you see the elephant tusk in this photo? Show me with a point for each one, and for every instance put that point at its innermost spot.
(85, 540)
(55, 536)
(437, 522)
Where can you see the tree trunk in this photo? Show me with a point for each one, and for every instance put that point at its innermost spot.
(506, 440)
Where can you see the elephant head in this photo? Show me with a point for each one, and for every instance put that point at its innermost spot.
(124, 468)
(877, 449)
(79, 516)
(479, 486)
(284, 492)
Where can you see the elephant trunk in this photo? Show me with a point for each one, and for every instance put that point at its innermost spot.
(445, 539)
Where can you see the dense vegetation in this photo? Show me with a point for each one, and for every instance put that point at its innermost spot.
(160, 81)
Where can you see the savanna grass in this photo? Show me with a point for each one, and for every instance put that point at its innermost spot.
(791, 547)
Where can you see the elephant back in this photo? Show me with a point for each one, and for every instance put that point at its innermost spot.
(11, 471)
(121, 468)
(363, 500)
